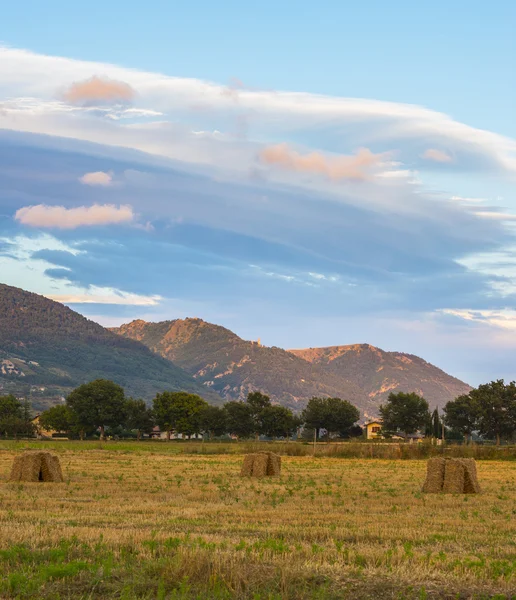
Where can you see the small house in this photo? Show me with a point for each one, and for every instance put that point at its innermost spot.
(373, 430)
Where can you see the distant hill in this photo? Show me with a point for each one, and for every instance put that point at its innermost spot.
(233, 367)
(378, 373)
(46, 349)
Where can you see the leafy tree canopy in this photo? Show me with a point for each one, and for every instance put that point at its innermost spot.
(333, 414)
(97, 404)
(404, 412)
(138, 416)
(179, 411)
(214, 421)
(495, 404)
(240, 420)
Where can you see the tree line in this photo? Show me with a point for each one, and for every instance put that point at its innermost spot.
(102, 404)
(489, 411)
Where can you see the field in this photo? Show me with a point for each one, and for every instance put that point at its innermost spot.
(148, 521)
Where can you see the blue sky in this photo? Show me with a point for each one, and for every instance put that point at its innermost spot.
(311, 175)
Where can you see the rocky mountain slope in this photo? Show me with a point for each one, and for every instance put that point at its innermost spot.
(378, 373)
(232, 367)
(46, 349)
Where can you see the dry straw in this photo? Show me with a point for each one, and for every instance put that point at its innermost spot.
(261, 464)
(451, 476)
(36, 466)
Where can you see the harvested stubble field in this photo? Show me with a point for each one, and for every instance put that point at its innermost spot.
(140, 521)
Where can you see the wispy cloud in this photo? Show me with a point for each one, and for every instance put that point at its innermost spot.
(99, 90)
(357, 167)
(342, 123)
(60, 217)
(97, 178)
(104, 296)
(439, 156)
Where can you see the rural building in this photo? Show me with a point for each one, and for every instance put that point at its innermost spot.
(42, 433)
(373, 430)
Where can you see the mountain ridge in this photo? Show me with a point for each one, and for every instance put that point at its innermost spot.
(379, 372)
(360, 373)
(47, 347)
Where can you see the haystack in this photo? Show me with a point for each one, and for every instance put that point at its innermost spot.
(37, 466)
(261, 464)
(451, 476)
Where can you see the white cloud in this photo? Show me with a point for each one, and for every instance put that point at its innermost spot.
(344, 123)
(60, 217)
(439, 156)
(96, 295)
(504, 319)
(97, 178)
(99, 90)
(356, 167)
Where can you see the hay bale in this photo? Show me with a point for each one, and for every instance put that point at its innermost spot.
(454, 477)
(451, 476)
(261, 464)
(36, 466)
(51, 468)
(471, 485)
(274, 465)
(434, 476)
(247, 466)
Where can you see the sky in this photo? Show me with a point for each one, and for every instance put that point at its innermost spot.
(307, 174)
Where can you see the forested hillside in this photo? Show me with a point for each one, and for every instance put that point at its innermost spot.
(46, 344)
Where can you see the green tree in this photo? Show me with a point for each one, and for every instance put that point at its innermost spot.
(97, 404)
(179, 411)
(404, 412)
(436, 424)
(214, 421)
(333, 414)
(258, 403)
(496, 402)
(138, 416)
(278, 421)
(240, 420)
(14, 418)
(60, 418)
(461, 415)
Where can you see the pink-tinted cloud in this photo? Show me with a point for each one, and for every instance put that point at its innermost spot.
(97, 178)
(99, 90)
(355, 167)
(437, 156)
(59, 217)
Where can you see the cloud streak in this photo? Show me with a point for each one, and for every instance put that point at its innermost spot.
(357, 167)
(97, 178)
(99, 90)
(31, 80)
(439, 156)
(60, 217)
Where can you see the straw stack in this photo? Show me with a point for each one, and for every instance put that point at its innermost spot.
(36, 466)
(451, 476)
(261, 464)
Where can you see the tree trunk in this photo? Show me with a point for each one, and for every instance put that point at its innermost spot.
(81, 435)
(168, 435)
(497, 439)
(102, 433)
(138, 435)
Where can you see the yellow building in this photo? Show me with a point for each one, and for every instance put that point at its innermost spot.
(42, 433)
(373, 430)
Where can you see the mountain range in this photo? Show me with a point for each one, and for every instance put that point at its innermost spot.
(232, 367)
(47, 349)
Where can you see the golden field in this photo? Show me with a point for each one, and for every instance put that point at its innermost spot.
(149, 521)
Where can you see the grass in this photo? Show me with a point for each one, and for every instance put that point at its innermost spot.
(153, 521)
